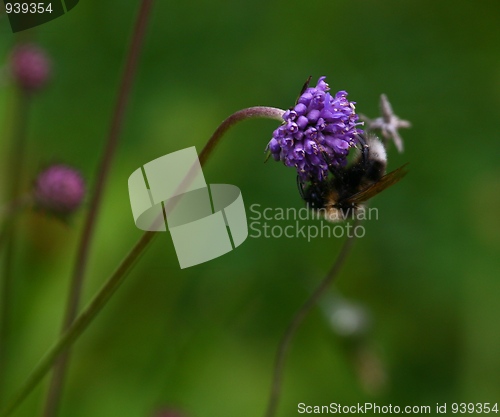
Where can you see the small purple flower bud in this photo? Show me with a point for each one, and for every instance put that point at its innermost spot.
(299, 153)
(322, 85)
(59, 189)
(311, 133)
(300, 109)
(316, 160)
(302, 122)
(291, 127)
(274, 146)
(280, 132)
(30, 67)
(286, 143)
(338, 145)
(305, 98)
(313, 116)
(341, 95)
(298, 135)
(310, 146)
(332, 128)
(318, 100)
(321, 124)
(290, 115)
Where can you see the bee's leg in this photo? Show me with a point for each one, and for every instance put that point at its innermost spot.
(300, 186)
(357, 170)
(364, 149)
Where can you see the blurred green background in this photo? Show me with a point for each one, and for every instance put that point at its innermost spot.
(203, 339)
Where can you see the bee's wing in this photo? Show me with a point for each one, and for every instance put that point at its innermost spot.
(386, 181)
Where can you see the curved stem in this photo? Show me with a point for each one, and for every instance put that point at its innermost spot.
(14, 176)
(249, 113)
(71, 334)
(138, 34)
(284, 345)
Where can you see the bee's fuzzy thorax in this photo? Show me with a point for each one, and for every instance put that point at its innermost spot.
(377, 149)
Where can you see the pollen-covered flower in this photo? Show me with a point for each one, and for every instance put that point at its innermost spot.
(318, 131)
(30, 67)
(59, 189)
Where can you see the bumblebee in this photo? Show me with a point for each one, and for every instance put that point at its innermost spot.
(342, 196)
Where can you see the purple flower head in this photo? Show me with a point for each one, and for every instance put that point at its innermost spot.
(319, 130)
(30, 67)
(59, 189)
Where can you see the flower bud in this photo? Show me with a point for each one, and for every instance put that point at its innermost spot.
(30, 67)
(59, 189)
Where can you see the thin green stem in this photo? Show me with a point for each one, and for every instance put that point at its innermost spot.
(130, 69)
(8, 212)
(15, 206)
(79, 325)
(298, 318)
(71, 334)
(14, 176)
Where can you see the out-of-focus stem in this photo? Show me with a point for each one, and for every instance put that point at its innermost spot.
(8, 212)
(71, 334)
(13, 176)
(298, 318)
(130, 68)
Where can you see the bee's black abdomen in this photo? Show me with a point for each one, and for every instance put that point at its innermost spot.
(375, 170)
(314, 195)
(337, 192)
